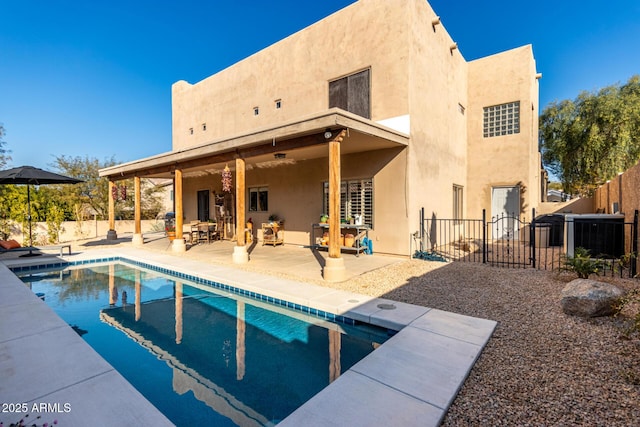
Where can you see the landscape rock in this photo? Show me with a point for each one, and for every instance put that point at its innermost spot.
(589, 298)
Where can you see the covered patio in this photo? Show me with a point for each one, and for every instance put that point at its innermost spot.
(322, 138)
(295, 262)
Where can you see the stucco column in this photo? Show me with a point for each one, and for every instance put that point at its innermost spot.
(137, 235)
(179, 244)
(334, 269)
(240, 254)
(111, 234)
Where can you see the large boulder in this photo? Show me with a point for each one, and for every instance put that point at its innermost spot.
(589, 298)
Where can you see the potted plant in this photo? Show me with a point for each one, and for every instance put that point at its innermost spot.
(349, 240)
(324, 218)
(170, 230)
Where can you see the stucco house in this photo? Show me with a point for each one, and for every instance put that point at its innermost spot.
(372, 111)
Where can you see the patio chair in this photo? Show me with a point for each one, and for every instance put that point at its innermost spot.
(203, 234)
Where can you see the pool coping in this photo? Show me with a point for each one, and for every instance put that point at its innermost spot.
(411, 379)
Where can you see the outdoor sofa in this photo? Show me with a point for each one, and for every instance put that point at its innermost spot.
(14, 246)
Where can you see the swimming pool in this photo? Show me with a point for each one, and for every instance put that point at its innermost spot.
(199, 354)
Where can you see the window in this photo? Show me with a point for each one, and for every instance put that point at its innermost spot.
(461, 108)
(258, 199)
(356, 198)
(502, 119)
(190, 131)
(458, 212)
(278, 104)
(352, 94)
(256, 111)
(204, 126)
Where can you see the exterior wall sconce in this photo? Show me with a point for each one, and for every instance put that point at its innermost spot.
(453, 47)
(280, 155)
(328, 134)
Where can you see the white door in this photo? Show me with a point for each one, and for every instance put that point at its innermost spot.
(505, 208)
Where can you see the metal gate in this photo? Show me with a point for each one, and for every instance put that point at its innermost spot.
(507, 240)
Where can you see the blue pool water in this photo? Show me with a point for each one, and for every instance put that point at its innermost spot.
(203, 356)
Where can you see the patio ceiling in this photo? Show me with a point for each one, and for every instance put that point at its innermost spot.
(300, 140)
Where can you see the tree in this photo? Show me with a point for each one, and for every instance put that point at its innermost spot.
(589, 140)
(93, 193)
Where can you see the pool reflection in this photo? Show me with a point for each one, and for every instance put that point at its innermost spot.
(247, 360)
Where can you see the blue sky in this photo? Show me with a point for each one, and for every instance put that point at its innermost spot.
(93, 78)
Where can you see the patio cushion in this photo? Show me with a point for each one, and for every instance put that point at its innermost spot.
(9, 244)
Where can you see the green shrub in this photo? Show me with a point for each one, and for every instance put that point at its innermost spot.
(630, 303)
(582, 264)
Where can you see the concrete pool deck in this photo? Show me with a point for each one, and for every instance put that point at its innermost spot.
(410, 380)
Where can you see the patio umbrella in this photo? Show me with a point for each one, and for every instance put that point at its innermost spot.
(33, 176)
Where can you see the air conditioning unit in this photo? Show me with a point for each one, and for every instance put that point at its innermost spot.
(601, 234)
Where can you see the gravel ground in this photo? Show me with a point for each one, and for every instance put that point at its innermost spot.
(541, 367)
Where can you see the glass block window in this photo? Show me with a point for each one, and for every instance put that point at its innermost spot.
(356, 198)
(503, 119)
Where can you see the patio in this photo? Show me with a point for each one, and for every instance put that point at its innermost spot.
(292, 261)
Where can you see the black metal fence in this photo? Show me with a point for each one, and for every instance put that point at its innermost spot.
(546, 243)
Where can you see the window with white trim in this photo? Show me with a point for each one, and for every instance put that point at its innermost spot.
(258, 199)
(503, 119)
(356, 198)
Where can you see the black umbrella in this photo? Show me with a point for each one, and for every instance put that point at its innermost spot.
(33, 176)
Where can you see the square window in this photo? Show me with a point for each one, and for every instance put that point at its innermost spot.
(256, 111)
(278, 104)
(258, 199)
(501, 119)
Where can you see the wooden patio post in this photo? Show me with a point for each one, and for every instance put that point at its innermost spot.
(240, 254)
(137, 234)
(178, 243)
(334, 269)
(111, 234)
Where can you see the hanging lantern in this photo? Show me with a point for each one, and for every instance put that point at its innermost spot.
(114, 192)
(123, 192)
(226, 179)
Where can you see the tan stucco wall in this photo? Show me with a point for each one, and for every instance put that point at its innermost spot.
(297, 70)
(438, 85)
(296, 191)
(582, 205)
(510, 159)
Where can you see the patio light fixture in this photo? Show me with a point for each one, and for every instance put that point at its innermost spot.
(328, 134)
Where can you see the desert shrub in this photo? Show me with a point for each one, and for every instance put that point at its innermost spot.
(582, 264)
